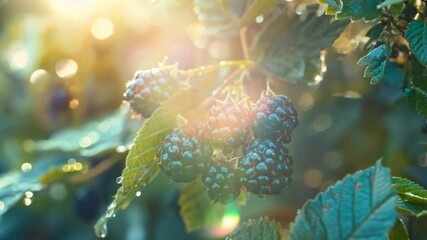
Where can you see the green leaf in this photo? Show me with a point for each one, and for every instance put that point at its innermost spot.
(91, 139)
(361, 205)
(13, 187)
(374, 34)
(360, 9)
(398, 232)
(286, 48)
(417, 97)
(196, 209)
(389, 2)
(396, 9)
(416, 35)
(215, 17)
(376, 60)
(257, 8)
(409, 190)
(411, 208)
(257, 229)
(141, 165)
(334, 6)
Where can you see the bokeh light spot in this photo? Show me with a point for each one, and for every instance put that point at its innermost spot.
(58, 191)
(39, 75)
(74, 103)
(66, 68)
(18, 57)
(26, 167)
(102, 28)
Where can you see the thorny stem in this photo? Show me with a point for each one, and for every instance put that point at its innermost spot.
(245, 64)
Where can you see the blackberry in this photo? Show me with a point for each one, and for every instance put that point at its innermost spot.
(149, 88)
(183, 153)
(222, 183)
(228, 124)
(274, 118)
(266, 167)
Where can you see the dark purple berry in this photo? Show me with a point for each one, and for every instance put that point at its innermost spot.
(266, 168)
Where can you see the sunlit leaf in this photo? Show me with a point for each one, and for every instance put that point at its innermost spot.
(361, 205)
(409, 190)
(412, 209)
(416, 35)
(257, 8)
(141, 165)
(289, 46)
(376, 60)
(255, 229)
(398, 232)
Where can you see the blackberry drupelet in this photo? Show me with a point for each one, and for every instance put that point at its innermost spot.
(228, 124)
(149, 88)
(266, 168)
(274, 118)
(222, 183)
(184, 154)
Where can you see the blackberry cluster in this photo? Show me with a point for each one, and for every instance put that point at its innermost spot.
(266, 167)
(263, 166)
(222, 183)
(149, 88)
(274, 118)
(228, 124)
(183, 154)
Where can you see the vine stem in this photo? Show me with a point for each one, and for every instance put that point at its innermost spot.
(244, 43)
(99, 169)
(245, 64)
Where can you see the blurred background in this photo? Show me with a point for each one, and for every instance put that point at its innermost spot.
(64, 132)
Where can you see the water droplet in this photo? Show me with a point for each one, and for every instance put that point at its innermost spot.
(121, 149)
(119, 180)
(104, 231)
(138, 194)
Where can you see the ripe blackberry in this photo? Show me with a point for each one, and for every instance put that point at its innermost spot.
(222, 183)
(266, 167)
(149, 88)
(274, 118)
(184, 153)
(228, 124)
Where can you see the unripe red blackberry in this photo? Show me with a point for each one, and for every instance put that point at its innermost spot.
(149, 88)
(222, 182)
(228, 124)
(274, 118)
(184, 153)
(266, 168)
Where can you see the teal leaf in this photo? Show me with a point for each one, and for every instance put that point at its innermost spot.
(261, 228)
(389, 2)
(376, 60)
(360, 9)
(374, 34)
(13, 187)
(398, 232)
(334, 5)
(141, 165)
(92, 138)
(361, 206)
(416, 35)
(285, 47)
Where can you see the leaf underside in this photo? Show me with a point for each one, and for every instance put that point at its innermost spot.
(376, 60)
(257, 229)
